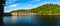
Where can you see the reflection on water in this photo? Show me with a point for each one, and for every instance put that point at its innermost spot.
(31, 20)
(19, 20)
(14, 18)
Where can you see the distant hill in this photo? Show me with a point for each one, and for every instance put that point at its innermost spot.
(44, 9)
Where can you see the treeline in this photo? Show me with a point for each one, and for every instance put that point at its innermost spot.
(48, 9)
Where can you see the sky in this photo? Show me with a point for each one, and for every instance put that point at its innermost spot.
(12, 5)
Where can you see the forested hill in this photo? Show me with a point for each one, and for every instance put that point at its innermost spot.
(44, 9)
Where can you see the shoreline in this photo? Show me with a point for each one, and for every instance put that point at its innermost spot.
(32, 15)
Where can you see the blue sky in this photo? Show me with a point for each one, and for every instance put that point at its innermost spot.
(26, 4)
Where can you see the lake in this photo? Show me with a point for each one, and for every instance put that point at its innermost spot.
(31, 20)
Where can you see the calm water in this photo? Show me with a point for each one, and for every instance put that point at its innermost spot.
(31, 21)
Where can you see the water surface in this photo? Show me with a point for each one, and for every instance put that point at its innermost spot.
(31, 20)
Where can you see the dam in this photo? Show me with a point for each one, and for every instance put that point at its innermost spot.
(22, 13)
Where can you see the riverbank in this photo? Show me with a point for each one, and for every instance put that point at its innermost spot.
(49, 14)
(22, 14)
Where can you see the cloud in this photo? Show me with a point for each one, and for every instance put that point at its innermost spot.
(6, 11)
(10, 1)
(37, 0)
(5, 7)
(6, 2)
(29, 5)
(14, 5)
(10, 7)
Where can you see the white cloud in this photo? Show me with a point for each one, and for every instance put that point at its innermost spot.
(6, 2)
(10, 7)
(29, 5)
(10, 1)
(6, 11)
(14, 5)
(37, 0)
(4, 7)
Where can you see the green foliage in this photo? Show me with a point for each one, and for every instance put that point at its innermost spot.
(44, 9)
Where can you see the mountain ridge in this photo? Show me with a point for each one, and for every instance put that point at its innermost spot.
(43, 9)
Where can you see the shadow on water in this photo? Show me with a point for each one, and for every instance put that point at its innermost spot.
(49, 20)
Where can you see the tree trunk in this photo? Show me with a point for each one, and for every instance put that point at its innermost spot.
(2, 2)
